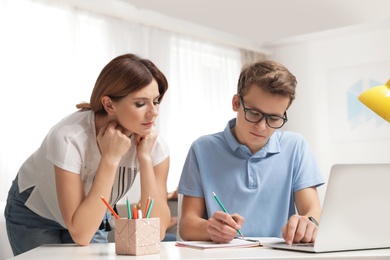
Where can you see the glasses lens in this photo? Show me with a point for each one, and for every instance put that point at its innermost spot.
(275, 121)
(255, 116)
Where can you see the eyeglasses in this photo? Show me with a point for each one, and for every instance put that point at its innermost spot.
(255, 116)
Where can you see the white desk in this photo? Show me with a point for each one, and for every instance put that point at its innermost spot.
(170, 251)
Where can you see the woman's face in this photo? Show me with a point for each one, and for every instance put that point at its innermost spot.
(137, 111)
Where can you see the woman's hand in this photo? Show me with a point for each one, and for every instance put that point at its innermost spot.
(145, 145)
(113, 143)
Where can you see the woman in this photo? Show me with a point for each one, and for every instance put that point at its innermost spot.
(96, 151)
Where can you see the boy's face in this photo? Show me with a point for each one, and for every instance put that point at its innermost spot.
(256, 135)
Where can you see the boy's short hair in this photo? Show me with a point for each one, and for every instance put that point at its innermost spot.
(270, 76)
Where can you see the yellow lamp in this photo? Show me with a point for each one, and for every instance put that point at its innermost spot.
(378, 100)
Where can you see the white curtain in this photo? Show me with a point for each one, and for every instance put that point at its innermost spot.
(52, 53)
(202, 80)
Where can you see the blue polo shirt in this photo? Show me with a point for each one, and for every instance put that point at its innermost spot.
(260, 187)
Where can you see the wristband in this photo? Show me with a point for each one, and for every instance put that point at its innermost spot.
(314, 221)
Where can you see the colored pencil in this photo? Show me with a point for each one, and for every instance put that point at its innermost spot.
(109, 207)
(150, 208)
(128, 208)
(147, 206)
(135, 212)
(224, 210)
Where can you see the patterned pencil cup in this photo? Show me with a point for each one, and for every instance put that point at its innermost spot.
(137, 236)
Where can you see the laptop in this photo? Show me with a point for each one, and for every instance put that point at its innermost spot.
(355, 213)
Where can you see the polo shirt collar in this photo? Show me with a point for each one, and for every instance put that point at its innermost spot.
(272, 146)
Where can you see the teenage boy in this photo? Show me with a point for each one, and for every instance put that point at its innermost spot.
(261, 174)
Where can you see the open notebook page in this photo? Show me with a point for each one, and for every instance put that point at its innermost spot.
(235, 243)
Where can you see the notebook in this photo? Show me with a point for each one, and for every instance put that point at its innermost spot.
(238, 242)
(356, 210)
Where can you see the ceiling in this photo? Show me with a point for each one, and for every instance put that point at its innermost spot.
(265, 21)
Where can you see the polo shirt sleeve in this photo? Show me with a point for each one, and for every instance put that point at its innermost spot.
(190, 180)
(306, 173)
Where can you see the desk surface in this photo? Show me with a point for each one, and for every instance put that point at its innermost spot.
(170, 251)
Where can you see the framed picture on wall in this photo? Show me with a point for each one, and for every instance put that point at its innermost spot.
(349, 119)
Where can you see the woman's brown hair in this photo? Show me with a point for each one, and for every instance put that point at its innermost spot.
(123, 75)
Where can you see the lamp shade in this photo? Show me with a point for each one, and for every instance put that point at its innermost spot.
(378, 100)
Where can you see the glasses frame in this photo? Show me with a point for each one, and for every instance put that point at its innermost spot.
(264, 115)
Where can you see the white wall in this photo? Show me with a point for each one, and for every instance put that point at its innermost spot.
(311, 58)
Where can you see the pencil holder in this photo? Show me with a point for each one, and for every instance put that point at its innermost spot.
(137, 236)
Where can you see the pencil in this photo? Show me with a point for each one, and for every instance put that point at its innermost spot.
(109, 207)
(224, 210)
(150, 208)
(128, 208)
(139, 213)
(135, 212)
(147, 206)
